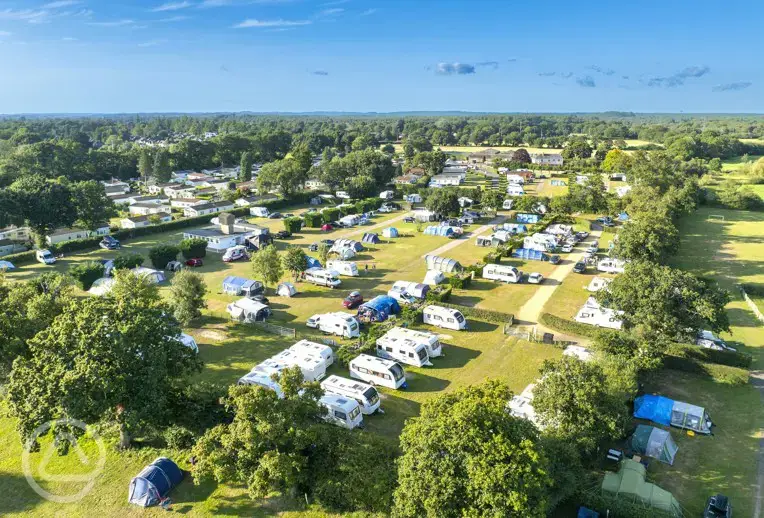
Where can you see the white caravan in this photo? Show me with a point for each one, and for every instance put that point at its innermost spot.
(262, 376)
(377, 371)
(515, 179)
(309, 348)
(313, 368)
(45, 257)
(515, 190)
(404, 291)
(340, 324)
(502, 273)
(348, 268)
(403, 350)
(598, 283)
(413, 198)
(342, 195)
(611, 266)
(387, 195)
(507, 205)
(341, 411)
(365, 395)
(522, 405)
(447, 318)
(322, 277)
(260, 212)
(595, 315)
(402, 334)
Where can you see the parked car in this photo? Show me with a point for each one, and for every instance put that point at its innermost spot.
(288, 215)
(555, 259)
(535, 278)
(313, 321)
(579, 267)
(314, 246)
(384, 209)
(275, 215)
(195, 262)
(283, 234)
(592, 250)
(353, 300)
(109, 243)
(409, 219)
(582, 235)
(718, 507)
(566, 248)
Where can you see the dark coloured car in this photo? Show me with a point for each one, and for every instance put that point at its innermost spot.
(109, 243)
(262, 299)
(353, 300)
(718, 507)
(582, 235)
(288, 215)
(275, 215)
(283, 234)
(579, 267)
(555, 259)
(314, 246)
(195, 262)
(408, 219)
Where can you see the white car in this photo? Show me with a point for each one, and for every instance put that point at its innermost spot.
(385, 209)
(567, 248)
(313, 321)
(535, 278)
(592, 250)
(45, 257)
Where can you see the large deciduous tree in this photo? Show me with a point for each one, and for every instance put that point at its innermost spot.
(465, 455)
(521, 156)
(287, 176)
(145, 164)
(266, 265)
(94, 208)
(649, 237)
(187, 292)
(162, 170)
(44, 204)
(295, 261)
(444, 201)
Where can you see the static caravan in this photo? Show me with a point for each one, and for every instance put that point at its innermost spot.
(378, 371)
(515, 190)
(340, 324)
(262, 376)
(413, 198)
(521, 405)
(313, 368)
(447, 318)
(322, 277)
(502, 273)
(611, 266)
(598, 283)
(396, 347)
(365, 395)
(347, 268)
(403, 291)
(247, 310)
(309, 348)
(429, 340)
(342, 195)
(341, 411)
(260, 212)
(515, 179)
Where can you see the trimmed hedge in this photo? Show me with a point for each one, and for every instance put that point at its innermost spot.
(330, 215)
(439, 294)
(313, 220)
(293, 225)
(496, 317)
(703, 355)
(162, 254)
(719, 373)
(193, 247)
(619, 508)
(347, 210)
(564, 325)
(20, 258)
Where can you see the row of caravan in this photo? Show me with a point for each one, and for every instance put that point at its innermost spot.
(409, 346)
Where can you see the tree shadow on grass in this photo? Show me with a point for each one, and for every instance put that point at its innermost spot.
(18, 496)
(454, 356)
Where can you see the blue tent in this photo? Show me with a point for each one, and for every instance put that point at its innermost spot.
(654, 408)
(154, 482)
(524, 217)
(512, 228)
(379, 308)
(585, 512)
(528, 254)
(438, 231)
(390, 232)
(313, 262)
(370, 237)
(233, 285)
(623, 217)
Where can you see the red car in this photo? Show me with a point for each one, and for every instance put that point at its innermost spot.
(193, 263)
(353, 300)
(327, 227)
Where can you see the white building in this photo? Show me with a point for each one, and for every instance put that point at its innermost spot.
(546, 159)
(159, 188)
(14, 233)
(443, 180)
(217, 240)
(182, 203)
(208, 208)
(178, 190)
(144, 221)
(147, 208)
(314, 184)
(62, 235)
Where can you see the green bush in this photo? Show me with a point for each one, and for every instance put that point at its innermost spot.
(179, 437)
(703, 355)
(293, 225)
(128, 261)
(20, 258)
(496, 317)
(492, 257)
(618, 507)
(85, 274)
(460, 281)
(564, 325)
(439, 294)
(347, 210)
(313, 220)
(193, 247)
(477, 269)
(162, 254)
(719, 373)
(330, 215)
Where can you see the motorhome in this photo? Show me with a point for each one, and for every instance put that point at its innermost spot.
(515, 179)
(447, 318)
(248, 310)
(503, 273)
(340, 324)
(405, 291)
(515, 190)
(387, 195)
(341, 411)
(378, 371)
(322, 277)
(395, 347)
(365, 395)
(260, 212)
(611, 266)
(235, 253)
(313, 368)
(314, 349)
(45, 257)
(348, 268)
(429, 340)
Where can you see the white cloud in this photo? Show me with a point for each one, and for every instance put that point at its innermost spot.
(28, 15)
(69, 38)
(114, 23)
(171, 19)
(172, 6)
(331, 12)
(270, 23)
(61, 3)
(152, 43)
(369, 12)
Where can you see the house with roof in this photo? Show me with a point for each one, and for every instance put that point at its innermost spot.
(146, 208)
(444, 180)
(199, 180)
(247, 186)
(158, 188)
(227, 233)
(546, 159)
(62, 235)
(122, 199)
(406, 179)
(115, 187)
(151, 198)
(145, 221)
(418, 171)
(455, 169)
(182, 203)
(178, 190)
(208, 208)
(14, 233)
(205, 191)
(181, 176)
(219, 185)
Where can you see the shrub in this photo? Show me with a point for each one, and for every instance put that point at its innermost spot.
(460, 281)
(85, 274)
(313, 220)
(439, 294)
(293, 225)
(486, 315)
(563, 325)
(193, 247)
(703, 355)
(330, 215)
(477, 269)
(619, 507)
(179, 437)
(162, 254)
(347, 210)
(128, 261)
(492, 257)
(20, 258)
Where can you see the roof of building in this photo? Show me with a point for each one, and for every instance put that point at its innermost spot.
(146, 205)
(213, 205)
(72, 230)
(155, 197)
(212, 232)
(121, 197)
(140, 219)
(186, 200)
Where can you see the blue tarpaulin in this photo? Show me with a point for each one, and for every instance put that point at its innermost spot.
(654, 408)
(380, 307)
(584, 512)
(438, 231)
(623, 217)
(524, 217)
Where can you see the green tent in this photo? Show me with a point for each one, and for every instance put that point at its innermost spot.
(629, 485)
(654, 442)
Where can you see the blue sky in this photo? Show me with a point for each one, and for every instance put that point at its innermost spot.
(70, 56)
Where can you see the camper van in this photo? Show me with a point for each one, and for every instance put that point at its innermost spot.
(611, 266)
(348, 268)
(502, 273)
(515, 179)
(45, 257)
(260, 212)
(395, 347)
(430, 340)
(408, 292)
(378, 371)
(340, 324)
(235, 253)
(322, 277)
(341, 411)
(365, 395)
(515, 190)
(313, 349)
(447, 318)
(313, 368)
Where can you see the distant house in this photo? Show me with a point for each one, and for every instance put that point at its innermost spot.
(178, 190)
(181, 176)
(484, 156)
(406, 179)
(199, 180)
(15, 233)
(153, 198)
(205, 191)
(122, 199)
(454, 169)
(70, 234)
(144, 221)
(418, 171)
(146, 208)
(546, 158)
(182, 203)
(115, 187)
(443, 180)
(207, 208)
(158, 188)
(219, 185)
(314, 184)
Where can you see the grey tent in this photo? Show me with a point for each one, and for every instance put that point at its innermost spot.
(154, 482)
(654, 442)
(347, 243)
(442, 264)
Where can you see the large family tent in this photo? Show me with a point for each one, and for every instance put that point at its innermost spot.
(370, 237)
(442, 264)
(529, 254)
(390, 232)
(512, 228)
(436, 230)
(347, 243)
(524, 217)
(286, 289)
(233, 285)
(654, 442)
(379, 308)
(668, 412)
(629, 485)
(313, 262)
(433, 278)
(154, 482)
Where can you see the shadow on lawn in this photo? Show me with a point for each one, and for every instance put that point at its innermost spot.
(18, 495)
(454, 356)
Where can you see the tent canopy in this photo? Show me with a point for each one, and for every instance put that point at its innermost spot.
(654, 442)
(380, 307)
(437, 230)
(6, 265)
(668, 412)
(313, 262)
(442, 264)
(433, 278)
(370, 237)
(286, 289)
(390, 232)
(347, 243)
(629, 485)
(154, 482)
(524, 217)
